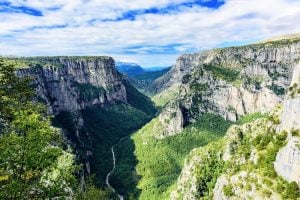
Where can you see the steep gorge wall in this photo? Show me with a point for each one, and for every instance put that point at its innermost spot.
(73, 83)
(287, 162)
(230, 82)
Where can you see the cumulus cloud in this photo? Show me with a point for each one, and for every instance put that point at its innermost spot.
(151, 33)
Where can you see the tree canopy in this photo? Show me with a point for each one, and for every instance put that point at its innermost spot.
(33, 161)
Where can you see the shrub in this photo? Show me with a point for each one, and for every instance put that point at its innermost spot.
(228, 190)
(267, 193)
(292, 191)
(224, 73)
(295, 132)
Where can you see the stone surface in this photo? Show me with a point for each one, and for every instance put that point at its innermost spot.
(287, 162)
(58, 83)
(264, 73)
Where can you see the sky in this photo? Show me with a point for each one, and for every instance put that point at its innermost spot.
(147, 32)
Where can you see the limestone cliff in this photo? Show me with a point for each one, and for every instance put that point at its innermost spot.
(259, 159)
(73, 83)
(234, 81)
(287, 162)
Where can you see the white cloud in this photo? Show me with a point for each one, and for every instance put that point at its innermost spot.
(192, 28)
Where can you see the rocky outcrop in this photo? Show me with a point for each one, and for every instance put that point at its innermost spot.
(171, 119)
(287, 162)
(249, 156)
(73, 83)
(238, 167)
(174, 76)
(235, 81)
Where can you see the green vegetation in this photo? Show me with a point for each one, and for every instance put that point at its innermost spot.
(254, 133)
(150, 75)
(224, 73)
(162, 98)
(292, 191)
(139, 101)
(277, 89)
(103, 127)
(159, 161)
(91, 192)
(93, 129)
(199, 87)
(88, 91)
(294, 90)
(250, 118)
(228, 190)
(266, 143)
(33, 161)
(253, 81)
(211, 168)
(39, 61)
(144, 80)
(295, 132)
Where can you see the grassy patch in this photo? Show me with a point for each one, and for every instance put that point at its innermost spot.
(162, 98)
(250, 118)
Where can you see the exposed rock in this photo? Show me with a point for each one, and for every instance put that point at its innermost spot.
(235, 168)
(232, 82)
(188, 182)
(184, 65)
(72, 83)
(287, 162)
(172, 119)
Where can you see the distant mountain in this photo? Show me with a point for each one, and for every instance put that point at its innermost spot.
(151, 69)
(129, 68)
(141, 78)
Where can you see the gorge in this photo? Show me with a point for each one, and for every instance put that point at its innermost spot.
(220, 124)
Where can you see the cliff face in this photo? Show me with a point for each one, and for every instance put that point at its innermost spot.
(259, 159)
(232, 82)
(287, 162)
(73, 83)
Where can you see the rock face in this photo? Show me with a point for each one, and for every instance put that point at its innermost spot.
(257, 78)
(287, 162)
(69, 85)
(174, 123)
(183, 66)
(73, 83)
(232, 82)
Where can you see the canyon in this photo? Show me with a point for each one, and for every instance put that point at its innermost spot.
(234, 106)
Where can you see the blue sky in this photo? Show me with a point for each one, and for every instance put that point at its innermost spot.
(148, 32)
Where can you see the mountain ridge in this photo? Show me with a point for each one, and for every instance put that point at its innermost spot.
(240, 84)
